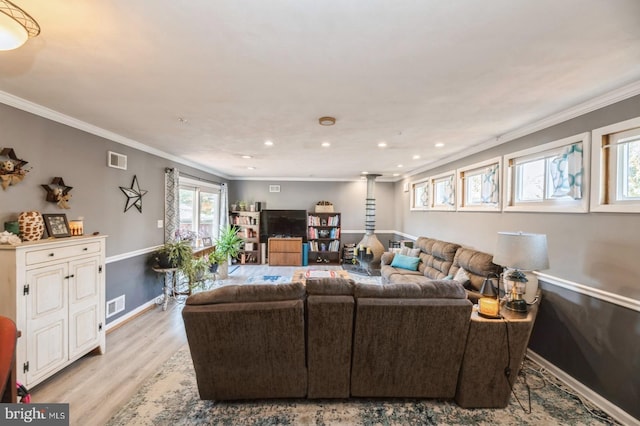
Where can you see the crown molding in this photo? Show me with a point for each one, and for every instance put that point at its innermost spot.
(610, 98)
(58, 117)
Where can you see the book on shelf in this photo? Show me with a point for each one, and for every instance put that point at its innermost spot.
(317, 221)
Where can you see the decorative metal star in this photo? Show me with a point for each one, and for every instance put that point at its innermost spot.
(58, 194)
(11, 168)
(134, 195)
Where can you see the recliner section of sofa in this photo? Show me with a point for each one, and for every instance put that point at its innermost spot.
(409, 339)
(439, 260)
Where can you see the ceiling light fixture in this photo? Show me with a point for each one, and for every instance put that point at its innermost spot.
(326, 144)
(268, 143)
(416, 157)
(327, 121)
(247, 157)
(16, 26)
(382, 144)
(439, 145)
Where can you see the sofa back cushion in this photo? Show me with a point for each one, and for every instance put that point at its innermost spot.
(330, 286)
(436, 257)
(476, 264)
(248, 293)
(435, 289)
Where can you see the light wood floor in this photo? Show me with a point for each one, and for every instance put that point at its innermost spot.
(96, 386)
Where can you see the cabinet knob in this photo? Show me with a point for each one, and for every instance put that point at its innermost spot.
(51, 254)
(85, 249)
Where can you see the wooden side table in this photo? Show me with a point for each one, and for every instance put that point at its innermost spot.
(493, 345)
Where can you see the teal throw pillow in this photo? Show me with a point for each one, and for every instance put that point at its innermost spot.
(405, 262)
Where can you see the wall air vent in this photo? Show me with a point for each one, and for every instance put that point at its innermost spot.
(117, 161)
(115, 306)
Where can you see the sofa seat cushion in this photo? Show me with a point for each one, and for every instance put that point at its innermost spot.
(431, 289)
(388, 272)
(248, 293)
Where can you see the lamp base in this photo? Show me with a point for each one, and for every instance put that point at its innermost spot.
(517, 305)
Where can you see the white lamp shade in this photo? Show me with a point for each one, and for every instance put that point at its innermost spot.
(12, 33)
(519, 250)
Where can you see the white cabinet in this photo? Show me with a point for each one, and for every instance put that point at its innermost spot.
(54, 290)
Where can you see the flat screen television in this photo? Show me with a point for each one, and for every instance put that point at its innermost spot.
(283, 224)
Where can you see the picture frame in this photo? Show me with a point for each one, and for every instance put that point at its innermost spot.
(274, 188)
(206, 241)
(57, 225)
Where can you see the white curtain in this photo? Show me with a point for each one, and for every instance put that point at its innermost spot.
(171, 209)
(490, 191)
(224, 205)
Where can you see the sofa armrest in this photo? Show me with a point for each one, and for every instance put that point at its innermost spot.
(387, 258)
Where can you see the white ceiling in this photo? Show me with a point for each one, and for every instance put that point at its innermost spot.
(408, 73)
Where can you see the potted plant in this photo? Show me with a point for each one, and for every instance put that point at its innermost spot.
(174, 254)
(228, 245)
(197, 269)
(216, 258)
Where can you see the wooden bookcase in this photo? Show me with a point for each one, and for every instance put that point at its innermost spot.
(323, 235)
(248, 224)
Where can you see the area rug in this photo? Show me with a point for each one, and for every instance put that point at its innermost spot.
(170, 397)
(267, 279)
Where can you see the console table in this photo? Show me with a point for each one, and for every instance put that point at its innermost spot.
(285, 251)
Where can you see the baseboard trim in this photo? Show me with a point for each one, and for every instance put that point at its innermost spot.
(120, 321)
(605, 405)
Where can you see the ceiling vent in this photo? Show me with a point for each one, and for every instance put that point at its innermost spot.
(117, 161)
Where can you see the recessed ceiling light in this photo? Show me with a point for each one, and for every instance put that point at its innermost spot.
(382, 144)
(327, 121)
(400, 166)
(416, 157)
(396, 174)
(246, 157)
(251, 168)
(439, 145)
(268, 143)
(326, 144)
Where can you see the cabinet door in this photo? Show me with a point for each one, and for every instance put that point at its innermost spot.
(84, 305)
(47, 320)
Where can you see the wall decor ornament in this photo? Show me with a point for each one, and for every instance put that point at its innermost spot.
(12, 169)
(31, 225)
(134, 195)
(58, 192)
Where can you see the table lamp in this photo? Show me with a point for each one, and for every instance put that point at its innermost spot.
(489, 303)
(520, 253)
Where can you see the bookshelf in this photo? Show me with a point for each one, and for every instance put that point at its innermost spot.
(323, 236)
(248, 224)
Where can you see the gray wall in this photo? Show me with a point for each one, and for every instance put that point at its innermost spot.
(80, 158)
(348, 198)
(594, 341)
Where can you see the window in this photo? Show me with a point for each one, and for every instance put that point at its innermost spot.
(199, 205)
(420, 195)
(616, 165)
(444, 194)
(479, 186)
(549, 177)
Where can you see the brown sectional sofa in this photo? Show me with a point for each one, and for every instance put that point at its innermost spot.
(439, 260)
(334, 338)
